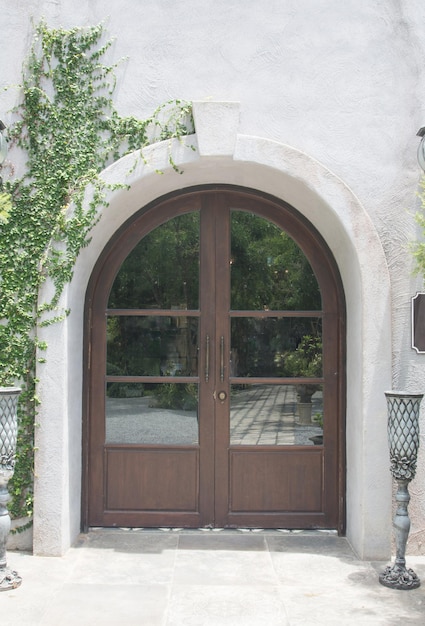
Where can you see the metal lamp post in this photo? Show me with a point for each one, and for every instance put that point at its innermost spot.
(403, 440)
(9, 579)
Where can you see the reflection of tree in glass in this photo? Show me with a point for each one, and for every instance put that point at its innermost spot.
(305, 361)
(262, 347)
(162, 271)
(269, 270)
(174, 396)
(152, 346)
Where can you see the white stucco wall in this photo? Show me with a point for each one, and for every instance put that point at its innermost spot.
(340, 82)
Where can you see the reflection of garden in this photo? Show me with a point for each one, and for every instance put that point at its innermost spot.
(267, 415)
(260, 415)
(152, 346)
(269, 272)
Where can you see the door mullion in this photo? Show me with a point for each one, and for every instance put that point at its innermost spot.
(208, 356)
(222, 341)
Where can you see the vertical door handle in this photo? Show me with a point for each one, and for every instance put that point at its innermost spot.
(207, 359)
(221, 358)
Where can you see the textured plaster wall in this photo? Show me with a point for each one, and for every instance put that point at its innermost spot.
(342, 82)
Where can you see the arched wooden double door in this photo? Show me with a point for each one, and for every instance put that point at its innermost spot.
(215, 326)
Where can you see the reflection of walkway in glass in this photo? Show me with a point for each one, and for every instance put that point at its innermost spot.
(133, 420)
(259, 415)
(266, 415)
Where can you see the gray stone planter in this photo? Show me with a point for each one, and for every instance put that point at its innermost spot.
(20, 539)
(304, 412)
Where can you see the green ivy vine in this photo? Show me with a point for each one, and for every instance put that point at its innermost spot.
(418, 248)
(69, 130)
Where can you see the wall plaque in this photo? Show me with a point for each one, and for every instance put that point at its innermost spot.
(418, 322)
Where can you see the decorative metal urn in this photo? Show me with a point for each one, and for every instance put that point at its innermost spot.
(8, 434)
(403, 440)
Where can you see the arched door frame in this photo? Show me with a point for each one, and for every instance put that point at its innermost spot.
(324, 266)
(327, 203)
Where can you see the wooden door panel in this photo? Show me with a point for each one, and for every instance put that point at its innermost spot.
(151, 480)
(272, 481)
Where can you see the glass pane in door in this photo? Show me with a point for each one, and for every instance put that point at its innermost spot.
(268, 269)
(274, 415)
(152, 346)
(162, 271)
(276, 347)
(148, 413)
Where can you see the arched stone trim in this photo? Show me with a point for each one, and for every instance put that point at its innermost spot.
(224, 156)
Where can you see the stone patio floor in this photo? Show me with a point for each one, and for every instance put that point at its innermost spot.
(175, 577)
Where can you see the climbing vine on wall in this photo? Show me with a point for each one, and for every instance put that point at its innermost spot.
(69, 131)
(419, 247)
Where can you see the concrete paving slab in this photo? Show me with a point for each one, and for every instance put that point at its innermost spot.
(106, 605)
(226, 605)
